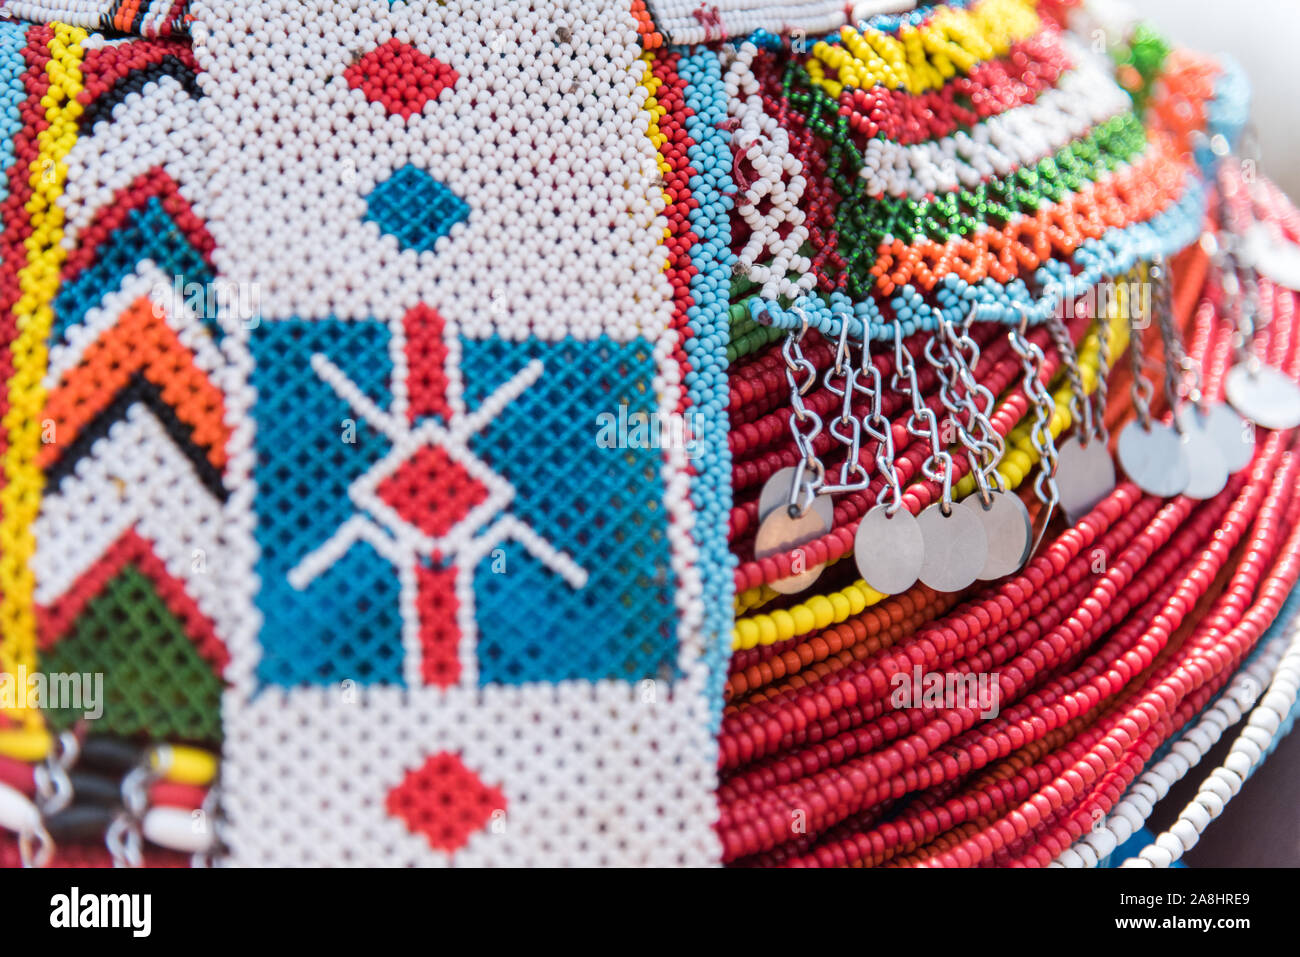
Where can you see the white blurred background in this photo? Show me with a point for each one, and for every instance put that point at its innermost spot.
(1264, 37)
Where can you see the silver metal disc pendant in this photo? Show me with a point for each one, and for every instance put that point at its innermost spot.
(1232, 435)
(780, 533)
(1276, 258)
(776, 494)
(1008, 529)
(889, 550)
(1205, 447)
(1268, 397)
(1085, 474)
(956, 548)
(1207, 475)
(1154, 460)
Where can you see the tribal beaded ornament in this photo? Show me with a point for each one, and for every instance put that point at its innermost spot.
(633, 433)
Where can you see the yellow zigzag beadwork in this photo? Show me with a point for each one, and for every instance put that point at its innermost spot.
(921, 58)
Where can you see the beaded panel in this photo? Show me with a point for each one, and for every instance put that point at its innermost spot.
(465, 547)
(118, 557)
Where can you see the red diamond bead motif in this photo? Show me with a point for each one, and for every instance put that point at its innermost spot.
(400, 77)
(432, 491)
(445, 801)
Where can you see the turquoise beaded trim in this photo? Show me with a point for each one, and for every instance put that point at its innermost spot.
(707, 384)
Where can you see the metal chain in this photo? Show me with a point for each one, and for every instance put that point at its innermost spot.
(212, 818)
(53, 794)
(879, 428)
(1242, 295)
(842, 380)
(1163, 305)
(53, 785)
(1080, 403)
(124, 840)
(1176, 357)
(1102, 396)
(982, 403)
(957, 401)
(922, 422)
(36, 847)
(1031, 358)
(805, 424)
(1238, 279)
(1141, 388)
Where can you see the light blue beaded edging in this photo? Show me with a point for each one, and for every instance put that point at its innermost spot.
(707, 384)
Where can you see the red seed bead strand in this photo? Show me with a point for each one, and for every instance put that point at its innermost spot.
(1112, 782)
(1237, 641)
(1096, 662)
(971, 633)
(872, 724)
(1159, 700)
(1069, 826)
(872, 619)
(758, 383)
(1281, 209)
(872, 682)
(1017, 727)
(830, 796)
(1196, 619)
(822, 672)
(839, 645)
(956, 760)
(937, 800)
(1217, 362)
(1010, 605)
(744, 738)
(967, 812)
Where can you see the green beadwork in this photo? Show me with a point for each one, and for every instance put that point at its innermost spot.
(155, 682)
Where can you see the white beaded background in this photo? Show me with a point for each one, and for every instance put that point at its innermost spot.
(543, 135)
(593, 775)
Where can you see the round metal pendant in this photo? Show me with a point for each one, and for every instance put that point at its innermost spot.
(1008, 530)
(1277, 259)
(956, 548)
(1269, 397)
(780, 533)
(1207, 436)
(889, 550)
(1085, 474)
(776, 494)
(1154, 460)
(1207, 475)
(1232, 435)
